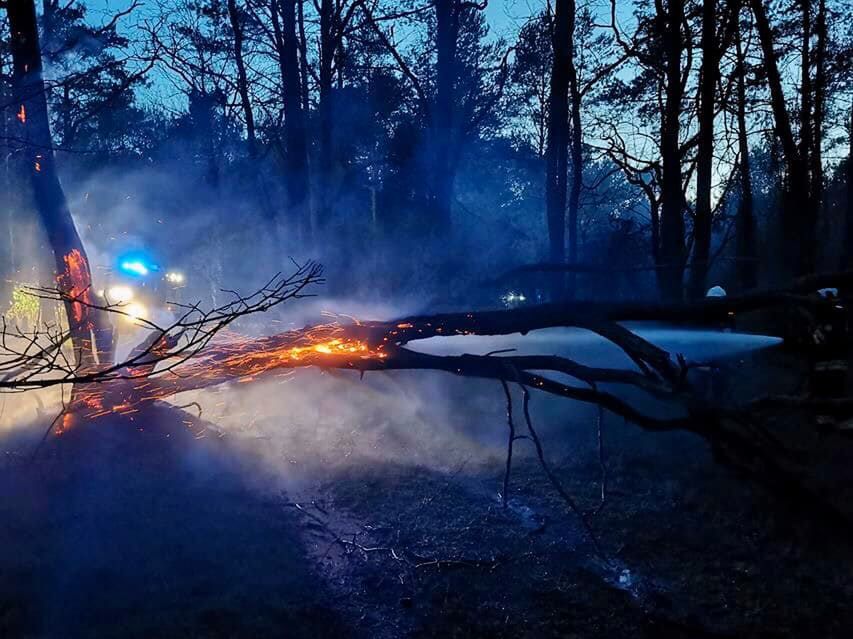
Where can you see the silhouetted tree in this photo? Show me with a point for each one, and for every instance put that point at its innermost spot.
(746, 253)
(557, 148)
(89, 330)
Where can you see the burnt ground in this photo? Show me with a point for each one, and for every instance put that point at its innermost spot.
(363, 527)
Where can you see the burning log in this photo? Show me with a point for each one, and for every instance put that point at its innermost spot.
(37, 359)
(197, 352)
(184, 356)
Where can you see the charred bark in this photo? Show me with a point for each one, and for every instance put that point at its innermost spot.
(90, 330)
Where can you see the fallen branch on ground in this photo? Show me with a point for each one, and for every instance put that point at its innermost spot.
(185, 356)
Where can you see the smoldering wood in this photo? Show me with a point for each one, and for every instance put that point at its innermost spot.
(185, 357)
(91, 335)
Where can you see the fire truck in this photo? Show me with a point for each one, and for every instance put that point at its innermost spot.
(141, 289)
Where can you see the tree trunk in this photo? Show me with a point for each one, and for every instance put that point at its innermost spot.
(808, 217)
(303, 55)
(296, 145)
(90, 331)
(242, 78)
(705, 152)
(324, 152)
(672, 196)
(443, 156)
(805, 80)
(258, 175)
(797, 230)
(203, 106)
(556, 150)
(746, 253)
(819, 108)
(576, 149)
(847, 253)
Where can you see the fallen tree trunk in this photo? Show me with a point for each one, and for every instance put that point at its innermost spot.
(737, 434)
(381, 345)
(165, 365)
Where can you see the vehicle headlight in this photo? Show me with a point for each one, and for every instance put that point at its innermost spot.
(511, 297)
(119, 294)
(135, 311)
(173, 277)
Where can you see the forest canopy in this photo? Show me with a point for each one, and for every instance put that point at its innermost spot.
(429, 147)
(581, 353)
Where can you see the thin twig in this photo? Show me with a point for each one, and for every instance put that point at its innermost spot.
(602, 464)
(558, 486)
(50, 427)
(509, 443)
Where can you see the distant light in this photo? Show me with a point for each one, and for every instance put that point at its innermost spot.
(119, 294)
(511, 297)
(135, 311)
(174, 277)
(135, 267)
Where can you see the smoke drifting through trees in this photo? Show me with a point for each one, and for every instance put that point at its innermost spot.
(358, 131)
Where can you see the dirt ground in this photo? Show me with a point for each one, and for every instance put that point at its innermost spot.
(372, 509)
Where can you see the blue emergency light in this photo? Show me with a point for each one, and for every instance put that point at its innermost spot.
(137, 265)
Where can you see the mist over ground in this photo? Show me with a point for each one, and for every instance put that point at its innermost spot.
(115, 513)
(321, 319)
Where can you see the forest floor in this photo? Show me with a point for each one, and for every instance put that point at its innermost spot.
(376, 513)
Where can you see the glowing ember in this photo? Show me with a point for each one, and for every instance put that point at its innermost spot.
(241, 359)
(65, 424)
(22, 114)
(75, 281)
(332, 347)
(327, 342)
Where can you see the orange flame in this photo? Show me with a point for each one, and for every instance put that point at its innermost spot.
(65, 423)
(77, 282)
(22, 114)
(244, 359)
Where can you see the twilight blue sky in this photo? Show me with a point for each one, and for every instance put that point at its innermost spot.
(503, 15)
